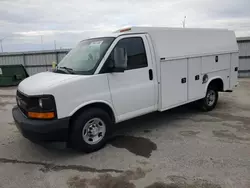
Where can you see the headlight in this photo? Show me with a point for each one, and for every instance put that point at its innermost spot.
(43, 108)
(40, 102)
(46, 103)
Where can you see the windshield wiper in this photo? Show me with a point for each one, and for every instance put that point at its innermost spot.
(69, 70)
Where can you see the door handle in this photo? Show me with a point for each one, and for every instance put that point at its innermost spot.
(197, 77)
(183, 80)
(236, 69)
(216, 59)
(150, 73)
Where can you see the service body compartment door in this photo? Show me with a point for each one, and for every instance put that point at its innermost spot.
(215, 63)
(234, 70)
(173, 83)
(195, 87)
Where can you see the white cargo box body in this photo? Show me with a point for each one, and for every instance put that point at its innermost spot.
(190, 54)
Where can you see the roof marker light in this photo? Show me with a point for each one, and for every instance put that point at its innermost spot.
(124, 30)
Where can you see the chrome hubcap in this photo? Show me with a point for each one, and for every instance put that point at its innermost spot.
(211, 96)
(94, 131)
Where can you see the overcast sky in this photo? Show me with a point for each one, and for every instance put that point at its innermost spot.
(23, 22)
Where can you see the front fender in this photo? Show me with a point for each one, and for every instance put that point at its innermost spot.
(94, 102)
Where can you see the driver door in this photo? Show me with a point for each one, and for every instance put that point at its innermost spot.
(133, 91)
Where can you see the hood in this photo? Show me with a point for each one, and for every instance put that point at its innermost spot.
(40, 83)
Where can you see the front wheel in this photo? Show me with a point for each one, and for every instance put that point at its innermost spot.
(90, 130)
(209, 102)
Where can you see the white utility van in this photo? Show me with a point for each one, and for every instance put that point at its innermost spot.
(123, 75)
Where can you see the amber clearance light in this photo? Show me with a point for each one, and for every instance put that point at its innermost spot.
(39, 115)
(124, 30)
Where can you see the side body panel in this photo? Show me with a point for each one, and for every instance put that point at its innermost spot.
(217, 66)
(195, 86)
(173, 93)
(209, 63)
(234, 70)
(173, 89)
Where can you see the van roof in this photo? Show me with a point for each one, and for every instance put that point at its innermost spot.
(186, 42)
(148, 29)
(136, 30)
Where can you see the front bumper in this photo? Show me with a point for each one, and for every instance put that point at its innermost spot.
(41, 130)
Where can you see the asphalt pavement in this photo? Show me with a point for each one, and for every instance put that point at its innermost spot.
(179, 148)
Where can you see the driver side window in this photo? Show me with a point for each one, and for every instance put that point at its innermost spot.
(136, 53)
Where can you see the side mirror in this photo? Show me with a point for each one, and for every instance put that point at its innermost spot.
(120, 59)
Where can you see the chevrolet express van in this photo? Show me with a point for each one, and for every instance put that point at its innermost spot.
(125, 74)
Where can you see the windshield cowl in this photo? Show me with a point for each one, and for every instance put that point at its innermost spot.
(68, 70)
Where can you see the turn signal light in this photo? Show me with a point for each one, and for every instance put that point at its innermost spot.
(38, 115)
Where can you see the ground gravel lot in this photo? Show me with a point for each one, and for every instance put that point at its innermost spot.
(180, 148)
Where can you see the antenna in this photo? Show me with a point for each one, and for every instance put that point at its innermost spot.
(184, 22)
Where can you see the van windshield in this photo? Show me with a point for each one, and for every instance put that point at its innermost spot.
(85, 58)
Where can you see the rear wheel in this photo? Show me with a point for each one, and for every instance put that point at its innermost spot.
(209, 102)
(90, 130)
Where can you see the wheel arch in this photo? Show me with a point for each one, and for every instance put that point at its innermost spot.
(217, 82)
(104, 105)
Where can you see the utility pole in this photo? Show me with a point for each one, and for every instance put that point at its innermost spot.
(1, 41)
(42, 42)
(184, 22)
(55, 44)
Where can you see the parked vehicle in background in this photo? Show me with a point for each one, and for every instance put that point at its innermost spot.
(12, 75)
(126, 74)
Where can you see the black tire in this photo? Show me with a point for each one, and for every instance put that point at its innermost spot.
(207, 105)
(76, 136)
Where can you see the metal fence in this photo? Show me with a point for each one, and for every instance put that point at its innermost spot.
(244, 56)
(34, 62)
(40, 61)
